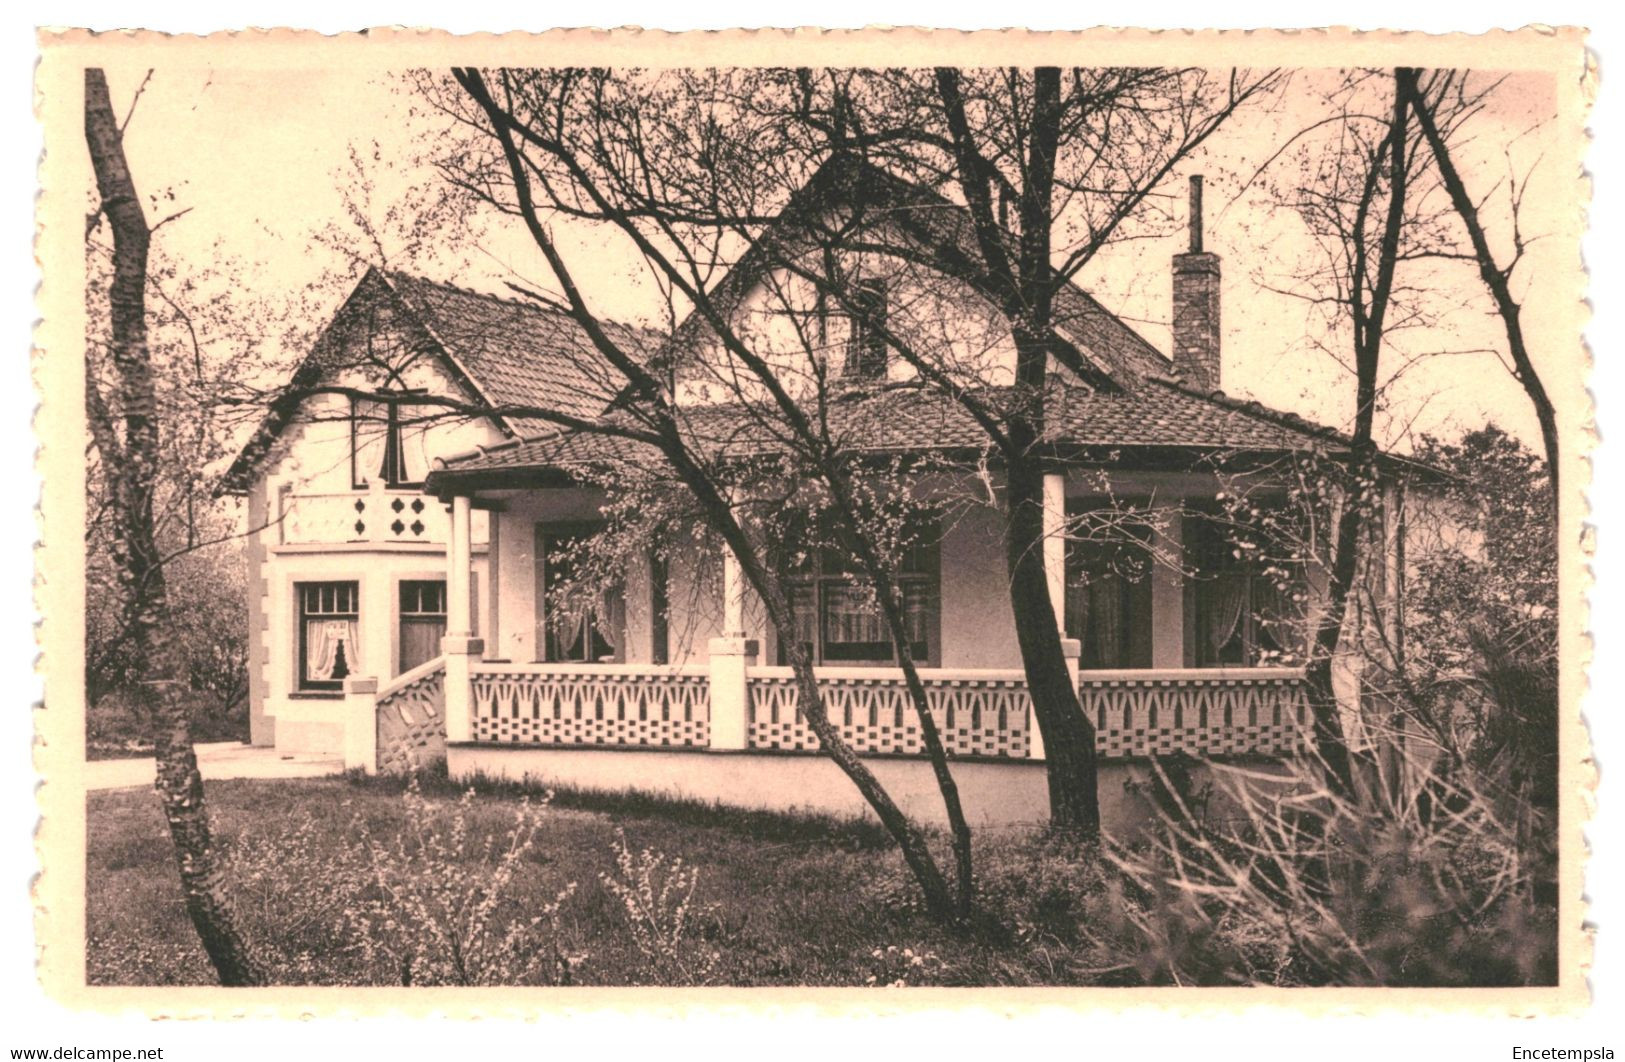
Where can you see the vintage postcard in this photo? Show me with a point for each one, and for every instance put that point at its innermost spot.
(882, 519)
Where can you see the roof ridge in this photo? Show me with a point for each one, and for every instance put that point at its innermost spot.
(523, 304)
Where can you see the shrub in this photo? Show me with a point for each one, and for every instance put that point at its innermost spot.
(656, 902)
(442, 908)
(1415, 880)
(301, 929)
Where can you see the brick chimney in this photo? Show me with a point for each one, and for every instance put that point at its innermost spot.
(1196, 306)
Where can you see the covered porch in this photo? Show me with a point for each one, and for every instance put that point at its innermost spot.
(683, 661)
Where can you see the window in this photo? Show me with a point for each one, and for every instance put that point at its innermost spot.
(866, 343)
(329, 634)
(581, 625)
(836, 617)
(423, 621)
(1248, 606)
(1108, 587)
(384, 444)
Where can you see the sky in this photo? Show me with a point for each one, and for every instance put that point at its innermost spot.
(260, 159)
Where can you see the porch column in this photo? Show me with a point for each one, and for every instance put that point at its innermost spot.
(733, 595)
(730, 657)
(459, 567)
(459, 647)
(1055, 575)
(1168, 593)
(1055, 545)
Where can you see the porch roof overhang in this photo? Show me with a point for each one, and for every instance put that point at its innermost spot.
(1161, 425)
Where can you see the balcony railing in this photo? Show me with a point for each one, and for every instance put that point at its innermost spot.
(368, 516)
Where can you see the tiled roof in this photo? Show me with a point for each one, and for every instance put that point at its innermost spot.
(519, 353)
(1159, 414)
(512, 353)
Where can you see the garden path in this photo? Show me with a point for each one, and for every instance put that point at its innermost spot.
(217, 760)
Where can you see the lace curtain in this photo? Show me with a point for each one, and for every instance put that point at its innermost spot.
(1226, 598)
(332, 649)
(1097, 613)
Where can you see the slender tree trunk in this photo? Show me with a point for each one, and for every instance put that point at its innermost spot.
(1026, 286)
(1362, 489)
(939, 904)
(163, 689)
(1496, 279)
(1069, 737)
(930, 736)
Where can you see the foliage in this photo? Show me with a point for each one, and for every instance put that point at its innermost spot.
(301, 931)
(1482, 656)
(200, 329)
(805, 903)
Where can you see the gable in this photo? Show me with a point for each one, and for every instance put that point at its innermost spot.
(1093, 344)
(374, 342)
(400, 331)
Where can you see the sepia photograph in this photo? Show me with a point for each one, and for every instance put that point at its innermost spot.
(605, 511)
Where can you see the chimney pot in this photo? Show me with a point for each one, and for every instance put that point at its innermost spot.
(1196, 306)
(1196, 214)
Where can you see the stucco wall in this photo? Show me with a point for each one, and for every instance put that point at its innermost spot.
(313, 456)
(307, 722)
(994, 795)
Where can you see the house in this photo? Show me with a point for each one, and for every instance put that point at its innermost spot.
(347, 555)
(1180, 638)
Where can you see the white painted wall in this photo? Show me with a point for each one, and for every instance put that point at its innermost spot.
(994, 794)
(312, 455)
(307, 722)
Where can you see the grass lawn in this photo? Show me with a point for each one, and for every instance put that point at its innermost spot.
(802, 902)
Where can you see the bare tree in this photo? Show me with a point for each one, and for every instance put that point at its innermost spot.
(1051, 166)
(530, 170)
(1361, 205)
(125, 431)
(1447, 88)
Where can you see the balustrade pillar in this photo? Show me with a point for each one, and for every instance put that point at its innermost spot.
(461, 653)
(730, 661)
(361, 724)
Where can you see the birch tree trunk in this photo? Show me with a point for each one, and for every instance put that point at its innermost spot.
(130, 461)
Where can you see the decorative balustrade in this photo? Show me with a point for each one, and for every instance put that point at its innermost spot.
(380, 516)
(411, 719)
(1208, 712)
(978, 713)
(591, 704)
(1213, 712)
